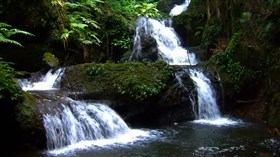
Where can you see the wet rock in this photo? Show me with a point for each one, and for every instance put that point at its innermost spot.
(148, 50)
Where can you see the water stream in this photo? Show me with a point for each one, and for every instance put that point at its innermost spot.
(83, 125)
(189, 139)
(49, 81)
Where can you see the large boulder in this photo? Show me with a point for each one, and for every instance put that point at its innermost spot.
(143, 93)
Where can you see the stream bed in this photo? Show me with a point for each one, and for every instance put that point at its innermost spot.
(242, 139)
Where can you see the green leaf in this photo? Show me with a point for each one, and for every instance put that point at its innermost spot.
(78, 25)
(4, 25)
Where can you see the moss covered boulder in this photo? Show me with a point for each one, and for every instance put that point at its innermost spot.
(142, 92)
(30, 121)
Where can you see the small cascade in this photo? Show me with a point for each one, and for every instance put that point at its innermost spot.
(169, 44)
(81, 121)
(178, 9)
(71, 125)
(207, 104)
(47, 82)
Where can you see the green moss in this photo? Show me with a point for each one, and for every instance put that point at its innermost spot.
(274, 111)
(26, 112)
(8, 87)
(138, 80)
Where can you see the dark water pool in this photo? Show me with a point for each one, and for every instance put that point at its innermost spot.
(245, 139)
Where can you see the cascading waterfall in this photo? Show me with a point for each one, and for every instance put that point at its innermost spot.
(167, 40)
(47, 82)
(75, 125)
(71, 124)
(81, 121)
(172, 52)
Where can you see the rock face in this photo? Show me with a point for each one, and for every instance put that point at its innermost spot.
(142, 93)
(148, 50)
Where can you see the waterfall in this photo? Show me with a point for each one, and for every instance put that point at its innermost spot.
(207, 105)
(167, 41)
(70, 124)
(76, 125)
(171, 51)
(81, 121)
(46, 82)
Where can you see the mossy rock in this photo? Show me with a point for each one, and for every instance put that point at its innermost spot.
(137, 80)
(27, 114)
(274, 111)
(144, 93)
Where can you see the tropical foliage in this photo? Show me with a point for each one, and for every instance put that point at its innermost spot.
(6, 32)
(77, 23)
(8, 86)
(83, 24)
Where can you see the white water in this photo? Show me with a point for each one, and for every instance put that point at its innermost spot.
(207, 105)
(80, 125)
(47, 82)
(172, 52)
(169, 44)
(178, 9)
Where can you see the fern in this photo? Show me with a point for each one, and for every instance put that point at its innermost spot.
(8, 87)
(3, 39)
(4, 25)
(6, 32)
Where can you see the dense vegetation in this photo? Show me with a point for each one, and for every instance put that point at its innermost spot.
(240, 38)
(90, 30)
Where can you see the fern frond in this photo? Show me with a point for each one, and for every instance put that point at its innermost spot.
(90, 22)
(4, 25)
(86, 42)
(17, 31)
(78, 25)
(94, 35)
(72, 5)
(3, 39)
(66, 34)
